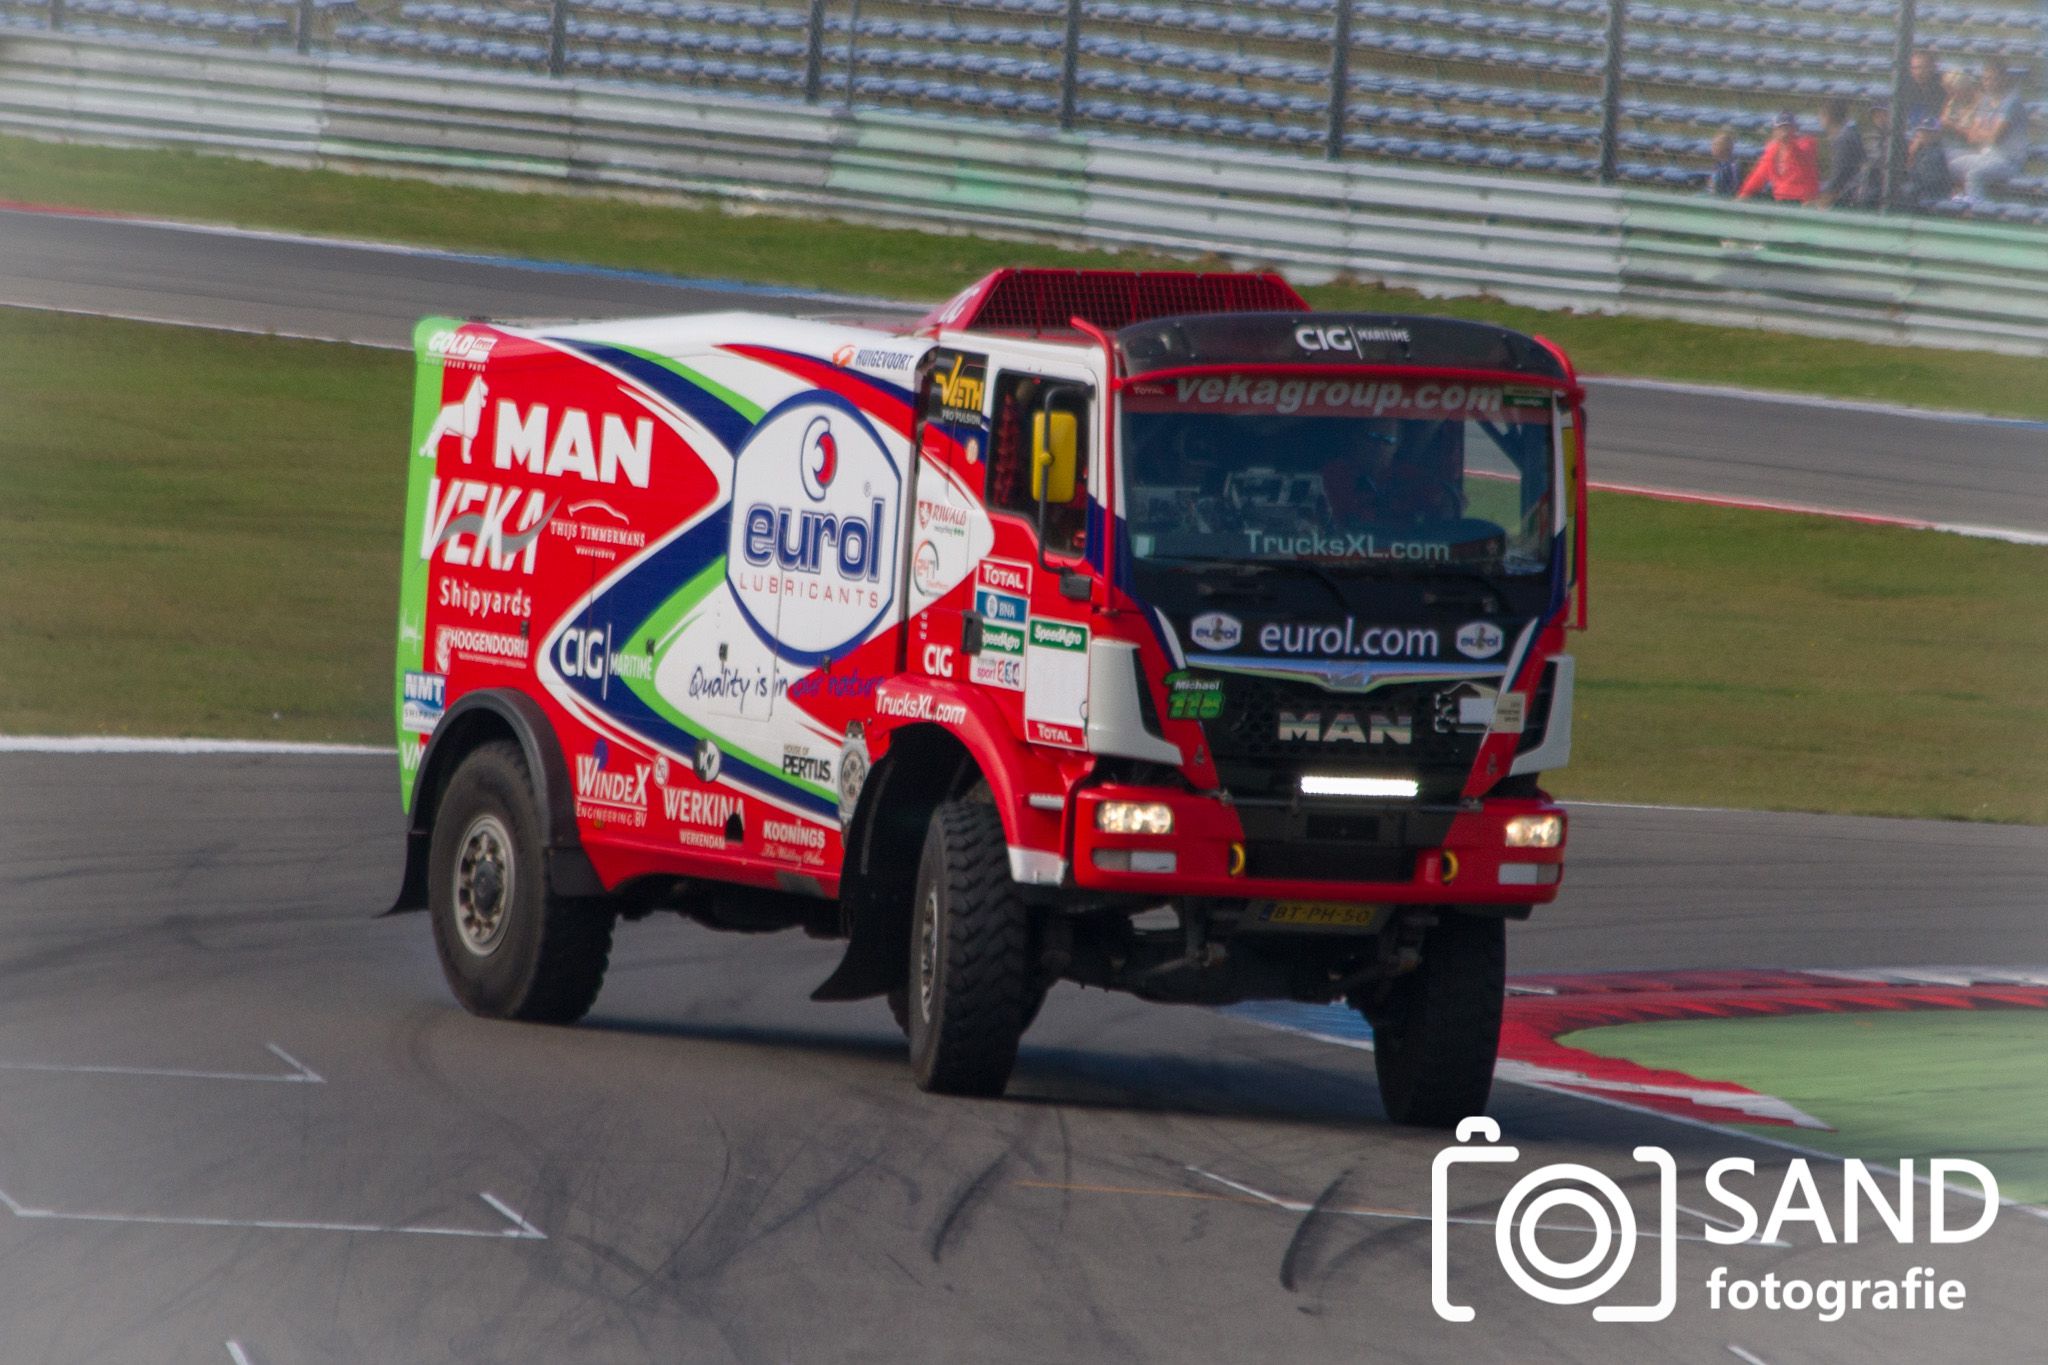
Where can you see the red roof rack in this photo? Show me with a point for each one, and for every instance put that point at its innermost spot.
(1017, 299)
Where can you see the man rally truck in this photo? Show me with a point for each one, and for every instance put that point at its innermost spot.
(1149, 631)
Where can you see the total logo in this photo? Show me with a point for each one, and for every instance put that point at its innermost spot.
(813, 576)
(1480, 640)
(1216, 630)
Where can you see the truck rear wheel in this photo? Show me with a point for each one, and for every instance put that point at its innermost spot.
(1436, 1034)
(971, 989)
(510, 948)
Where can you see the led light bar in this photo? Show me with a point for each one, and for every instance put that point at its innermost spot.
(1319, 784)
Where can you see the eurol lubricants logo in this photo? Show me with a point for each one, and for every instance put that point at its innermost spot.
(811, 559)
(819, 463)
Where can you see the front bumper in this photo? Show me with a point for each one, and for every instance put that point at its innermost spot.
(1205, 855)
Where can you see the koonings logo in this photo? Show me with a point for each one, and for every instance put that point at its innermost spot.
(813, 574)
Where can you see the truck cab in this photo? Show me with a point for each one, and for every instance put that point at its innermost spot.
(1150, 631)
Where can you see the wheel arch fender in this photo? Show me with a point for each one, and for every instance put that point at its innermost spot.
(919, 758)
(1013, 770)
(475, 719)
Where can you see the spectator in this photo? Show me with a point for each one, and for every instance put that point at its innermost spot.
(1960, 106)
(1789, 167)
(1994, 134)
(1927, 180)
(1870, 193)
(1847, 156)
(1925, 94)
(1727, 174)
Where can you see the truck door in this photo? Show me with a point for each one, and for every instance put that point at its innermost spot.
(950, 535)
(1055, 634)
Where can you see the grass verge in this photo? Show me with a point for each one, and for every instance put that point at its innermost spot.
(199, 534)
(922, 266)
(1892, 1086)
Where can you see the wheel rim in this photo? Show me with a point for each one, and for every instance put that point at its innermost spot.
(483, 885)
(928, 954)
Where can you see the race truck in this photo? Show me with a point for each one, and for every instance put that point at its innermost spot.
(1149, 631)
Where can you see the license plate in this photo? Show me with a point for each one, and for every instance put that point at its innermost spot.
(1322, 915)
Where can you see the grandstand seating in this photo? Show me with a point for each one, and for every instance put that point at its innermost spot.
(1505, 85)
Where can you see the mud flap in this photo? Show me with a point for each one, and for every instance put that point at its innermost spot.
(877, 956)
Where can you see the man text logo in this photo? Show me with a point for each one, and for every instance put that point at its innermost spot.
(523, 442)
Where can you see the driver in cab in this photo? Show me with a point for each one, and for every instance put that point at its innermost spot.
(1386, 480)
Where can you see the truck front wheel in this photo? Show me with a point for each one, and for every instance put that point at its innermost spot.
(1436, 1033)
(971, 989)
(510, 947)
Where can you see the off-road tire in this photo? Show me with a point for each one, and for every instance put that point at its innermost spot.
(899, 1006)
(1436, 1034)
(972, 986)
(522, 953)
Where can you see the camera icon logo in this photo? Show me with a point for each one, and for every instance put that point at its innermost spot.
(1563, 1185)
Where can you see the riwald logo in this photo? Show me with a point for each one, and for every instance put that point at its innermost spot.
(820, 459)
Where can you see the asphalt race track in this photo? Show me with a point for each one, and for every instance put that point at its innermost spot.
(242, 1120)
(1933, 468)
(236, 1107)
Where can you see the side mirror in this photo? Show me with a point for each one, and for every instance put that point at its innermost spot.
(1055, 437)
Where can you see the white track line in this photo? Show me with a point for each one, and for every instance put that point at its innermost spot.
(1746, 1357)
(121, 744)
(118, 315)
(1808, 400)
(520, 1231)
(1407, 1216)
(300, 1073)
(2011, 535)
(237, 1354)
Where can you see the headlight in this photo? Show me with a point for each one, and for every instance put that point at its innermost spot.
(1536, 831)
(1321, 784)
(1134, 817)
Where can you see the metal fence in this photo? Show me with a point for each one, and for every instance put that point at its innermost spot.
(1523, 239)
(1604, 91)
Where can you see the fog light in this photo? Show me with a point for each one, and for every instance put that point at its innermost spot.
(1535, 831)
(1318, 784)
(1136, 860)
(1134, 817)
(1529, 874)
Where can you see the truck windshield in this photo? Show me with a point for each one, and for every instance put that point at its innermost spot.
(1371, 475)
